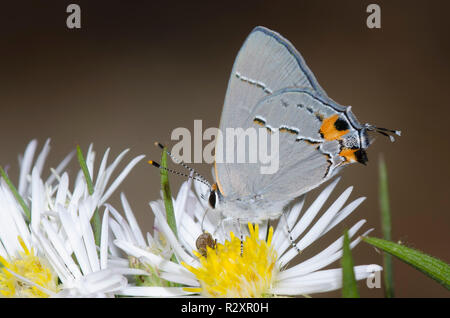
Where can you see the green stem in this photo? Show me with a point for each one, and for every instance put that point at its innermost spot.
(386, 227)
(95, 221)
(349, 287)
(167, 195)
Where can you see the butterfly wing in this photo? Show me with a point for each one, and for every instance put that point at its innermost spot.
(265, 64)
(308, 150)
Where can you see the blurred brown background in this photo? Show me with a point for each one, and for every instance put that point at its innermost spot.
(135, 71)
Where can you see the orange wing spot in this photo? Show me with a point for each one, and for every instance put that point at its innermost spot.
(259, 122)
(348, 154)
(328, 129)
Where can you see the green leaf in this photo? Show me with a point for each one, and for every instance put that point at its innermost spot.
(95, 221)
(349, 287)
(167, 195)
(18, 197)
(85, 170)
(386, 227)
(430, 266)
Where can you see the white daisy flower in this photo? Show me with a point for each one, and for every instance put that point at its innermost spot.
(20, 255)
(127, 229)
(93, 274)
(256, 266)
(36, 253)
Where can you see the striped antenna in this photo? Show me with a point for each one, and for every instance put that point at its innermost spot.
(181, 163)
(384, 131)
(157, 165)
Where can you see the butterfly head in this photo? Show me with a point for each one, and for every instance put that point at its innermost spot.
(214, 197)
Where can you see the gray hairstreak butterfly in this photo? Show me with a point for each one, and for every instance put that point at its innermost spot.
(272, 87)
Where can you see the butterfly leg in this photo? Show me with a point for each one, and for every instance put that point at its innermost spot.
(291, 240)
(234, 225)
(242, 238)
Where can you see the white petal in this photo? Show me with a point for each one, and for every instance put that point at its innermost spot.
(8, 233)
(126, 230)
(310, 266)
(112, 247)
(186, 227)
(318, 227)
(75, 240)
(309, 215)
(11, 213)
(202, 190)
(54, 259)
(281, 232)
(329, 251)
(90, 159)
(116, 262)
(37, 205)
(60, 167)
(63, 187)
(59, 249)
(180, 279)
(181, 199)
(170, 236)
(153, 291)
(154, 260)
(117, 230)
(101, 176)
(322, 281)
(344, 213)
(305, 289)
(132, 221)
(98, 284)
(120, 178)
(42, 156)
(79, 190)
(188, 232)
(29, 282)
(104, 241)
(88, 237)
(104, 282)
(107, 174)
(25, 167)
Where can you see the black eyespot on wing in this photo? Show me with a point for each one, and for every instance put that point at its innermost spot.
(212, 199)
(341, 124)
(361, 156)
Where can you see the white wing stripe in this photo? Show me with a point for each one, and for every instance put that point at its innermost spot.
(254, 82)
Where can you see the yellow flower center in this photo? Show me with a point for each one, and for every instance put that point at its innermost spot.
(31, 267)
(232, 270)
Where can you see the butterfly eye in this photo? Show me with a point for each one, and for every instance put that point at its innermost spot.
(212, 199)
